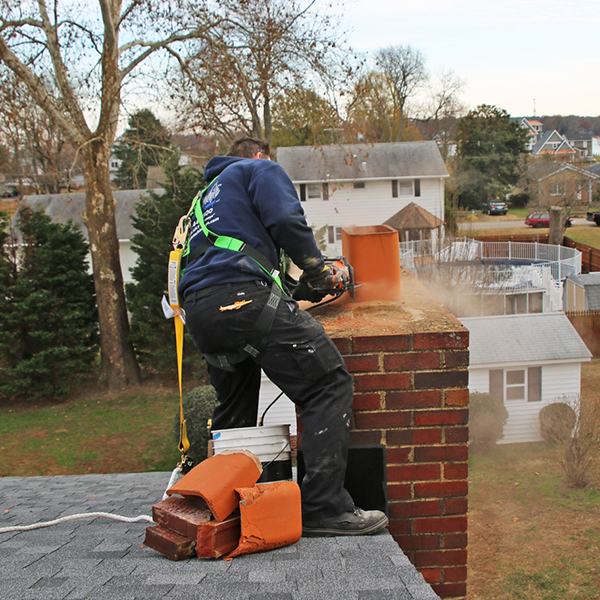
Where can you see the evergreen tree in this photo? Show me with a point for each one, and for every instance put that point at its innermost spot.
(157, 216)
(142, 145)
(49, 326)
(490, 151)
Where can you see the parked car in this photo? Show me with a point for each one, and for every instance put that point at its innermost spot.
(495, 208)
(543, 220)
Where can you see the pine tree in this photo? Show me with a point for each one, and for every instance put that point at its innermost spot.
(49, 326)
(157, 216)
(142, 145)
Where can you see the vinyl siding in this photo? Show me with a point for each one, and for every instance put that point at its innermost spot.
(558, 381)
(371, 205)
(283, 412)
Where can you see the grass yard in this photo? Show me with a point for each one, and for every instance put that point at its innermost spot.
(531, 537)
(94, 433)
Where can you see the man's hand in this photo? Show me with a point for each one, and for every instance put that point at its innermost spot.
(315, 286)
(305, 291)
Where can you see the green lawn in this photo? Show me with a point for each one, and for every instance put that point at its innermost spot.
(101, 433)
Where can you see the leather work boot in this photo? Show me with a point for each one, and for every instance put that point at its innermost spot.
(357, 522)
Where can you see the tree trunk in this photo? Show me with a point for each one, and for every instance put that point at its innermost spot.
(267, 118)
(118, 366)
(555, 235)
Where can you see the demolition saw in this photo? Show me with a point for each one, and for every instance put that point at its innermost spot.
(343, 279)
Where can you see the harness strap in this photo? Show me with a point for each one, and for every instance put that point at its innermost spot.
(226, 242)
(257, 341)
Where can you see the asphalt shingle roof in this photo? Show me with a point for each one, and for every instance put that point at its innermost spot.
(62, 207)
(362, 161)
(528, 338)
(104, 559)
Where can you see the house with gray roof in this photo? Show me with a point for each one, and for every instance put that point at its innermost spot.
(529, 361)
(62, 207)
(582, 292)
(552, 142)
(364, 184)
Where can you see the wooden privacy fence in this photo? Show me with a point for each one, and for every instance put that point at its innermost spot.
(590, 257)
(587, 324)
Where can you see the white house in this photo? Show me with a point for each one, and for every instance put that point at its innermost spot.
(364, 184)
(529, 361)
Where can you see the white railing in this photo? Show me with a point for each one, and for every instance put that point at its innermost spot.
(563, 261)
(501, 266)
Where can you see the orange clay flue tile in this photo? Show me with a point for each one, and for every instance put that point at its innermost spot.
(216, 478)
(271, 516)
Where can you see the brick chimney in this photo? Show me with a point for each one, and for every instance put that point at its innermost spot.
(409, 361)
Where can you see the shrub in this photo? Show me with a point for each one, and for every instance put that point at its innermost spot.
(580, 448)
(487, 417)
(557, 421)
(198, 406)
(519, 200)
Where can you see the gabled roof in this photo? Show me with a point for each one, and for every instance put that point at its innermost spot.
(591, 283)
(555, 168)
(527, 339)
(552, 137)
(62, 207)
(353, 162)
(413, 216)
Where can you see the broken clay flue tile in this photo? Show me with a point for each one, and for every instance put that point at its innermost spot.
(271, 516)
(216, 478)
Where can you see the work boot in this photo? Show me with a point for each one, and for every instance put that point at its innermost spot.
(357, 522)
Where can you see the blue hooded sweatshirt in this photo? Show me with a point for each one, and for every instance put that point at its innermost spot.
(252, 200)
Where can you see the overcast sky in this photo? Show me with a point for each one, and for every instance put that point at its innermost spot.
(511, 53)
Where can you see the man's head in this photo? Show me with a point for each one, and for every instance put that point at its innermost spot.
(250, 148)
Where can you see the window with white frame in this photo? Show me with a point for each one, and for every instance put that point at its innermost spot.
(514, 385)
(410, 187)
(557, 188)
(334, 234)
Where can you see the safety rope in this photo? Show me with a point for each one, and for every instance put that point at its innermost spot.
(145, 518)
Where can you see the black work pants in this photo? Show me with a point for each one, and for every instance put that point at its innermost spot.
(302, 361)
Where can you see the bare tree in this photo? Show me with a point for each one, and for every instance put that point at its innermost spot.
(404, 69)
(442, 109)
(260, 49)
(78, 47)
(41, 157)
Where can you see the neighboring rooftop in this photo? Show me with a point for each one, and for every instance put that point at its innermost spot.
(62, 207)
(105, 559)
(591, 283)
(533, 338)
(362, 161)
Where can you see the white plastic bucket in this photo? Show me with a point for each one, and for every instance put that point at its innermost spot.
(270, 443)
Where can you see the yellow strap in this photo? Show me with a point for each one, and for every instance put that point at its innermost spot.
(184, 444)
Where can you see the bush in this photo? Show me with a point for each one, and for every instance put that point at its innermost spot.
(198, 408)
(487, 417)
(581, 445)
(557, 421)
(519, 200)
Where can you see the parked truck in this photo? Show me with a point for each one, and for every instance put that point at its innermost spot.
(594, 216)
